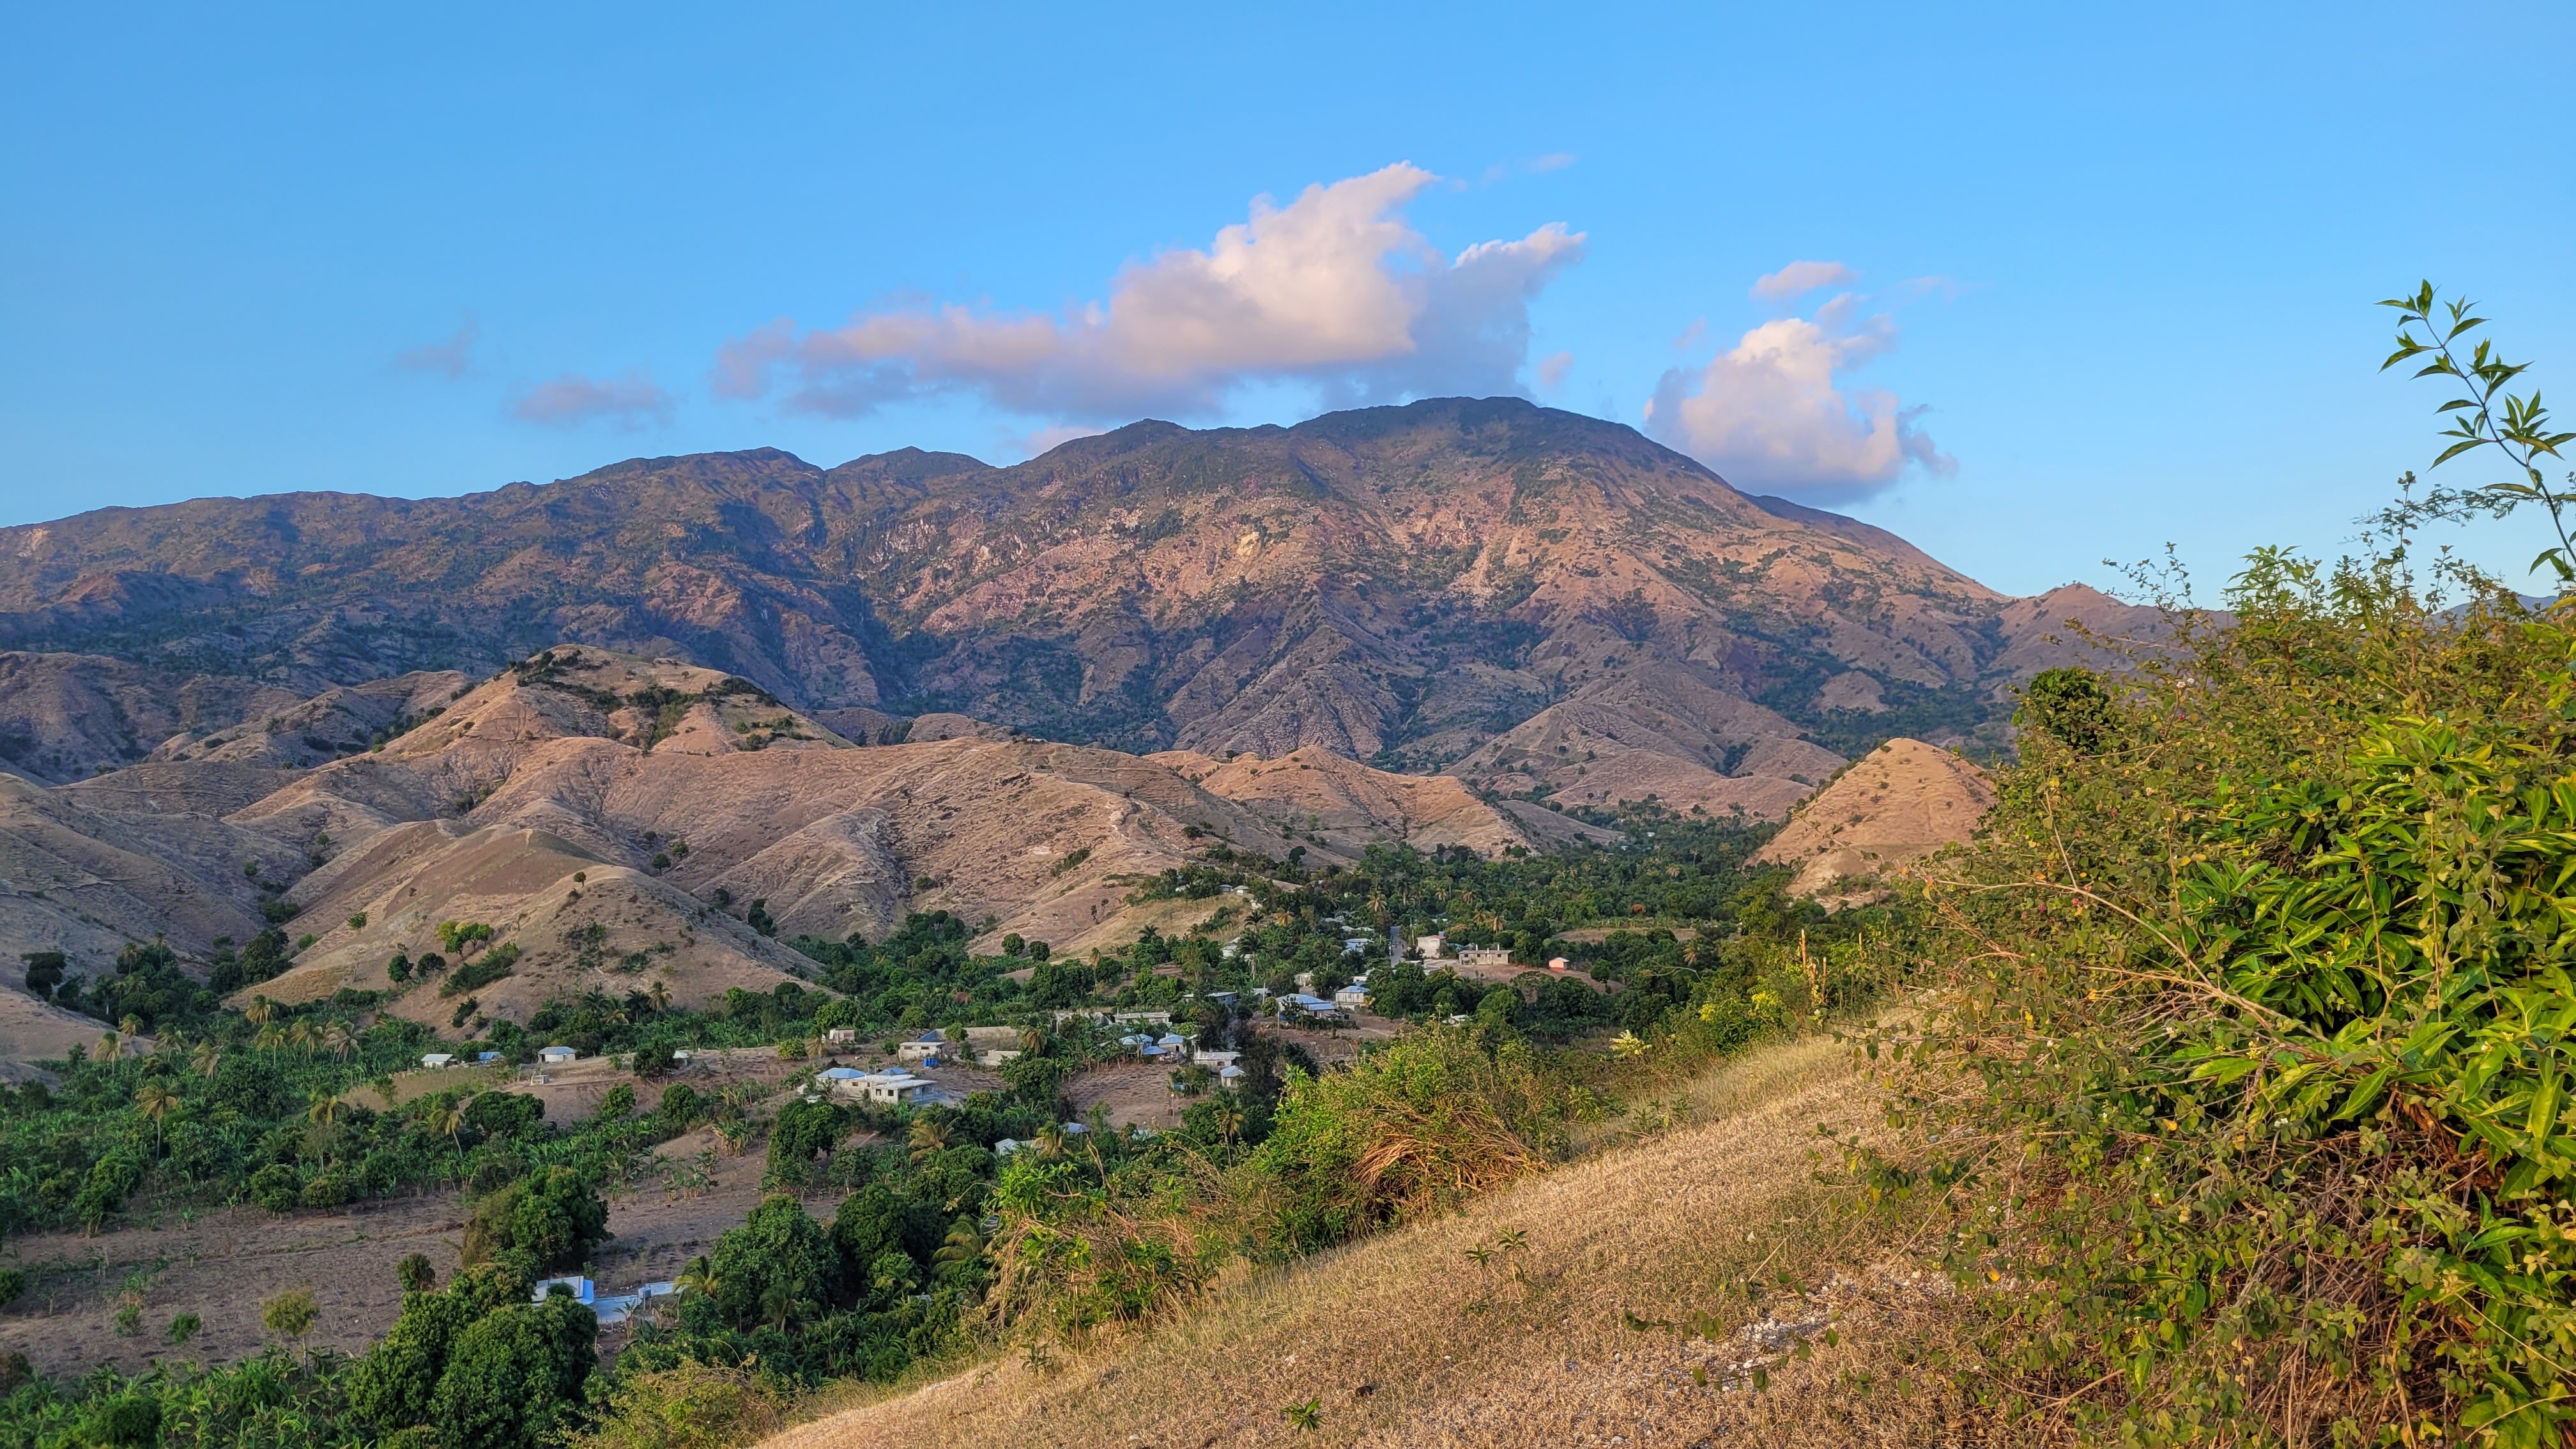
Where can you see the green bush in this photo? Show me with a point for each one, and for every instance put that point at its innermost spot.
(779, 1256)
(553, 1216)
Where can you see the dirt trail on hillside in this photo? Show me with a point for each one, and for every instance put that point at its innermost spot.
(1404, 1340)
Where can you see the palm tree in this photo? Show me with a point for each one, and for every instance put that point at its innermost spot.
(660, 995)
(448, 1120)
(132, 1026)
(156, 1102)
(1229, 1120)
(700, 1277)
(964, 1245)
(110, 1045)
(304, 1037)
(1052, 1142)
(928, 1136)
(205, 1059)
(779, 1306)
(261, 1009)
(1033, 1040)
(269, 1039)
(324, 1111)
(340, 1041)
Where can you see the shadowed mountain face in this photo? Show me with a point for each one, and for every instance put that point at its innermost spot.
(1520, 596)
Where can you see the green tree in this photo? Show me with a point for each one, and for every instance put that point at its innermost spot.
(553, 1216)
(782, 1248)
(515, 1376)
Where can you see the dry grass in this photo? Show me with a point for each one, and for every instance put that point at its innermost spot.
(1405, 1340)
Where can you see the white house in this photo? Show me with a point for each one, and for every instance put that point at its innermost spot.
(1215, 1061)
(886, 1089)
(557, 1056)
(1431, 946)
(1351, 997)
(1145, 1018)
(922, 1048)
(1361, 944)
(841, 1036)
(1230, 1074)
(438, 1061)
(582, 1290)
(1486, 956)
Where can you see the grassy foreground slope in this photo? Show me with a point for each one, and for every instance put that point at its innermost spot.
(1696, 1233)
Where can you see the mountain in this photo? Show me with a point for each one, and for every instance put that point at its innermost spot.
(1529, 599)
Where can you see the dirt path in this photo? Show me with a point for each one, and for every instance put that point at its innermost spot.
(1404, 1340)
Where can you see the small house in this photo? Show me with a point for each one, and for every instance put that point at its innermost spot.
(582, 1290)
(885, 1089)
(1143, 1018)
(1229, 1074)
(1217, 1060)
(558, 1056)
(1431, 946)
(1555, 963)
(1007, 1146)
(485, 1059)
(923, 1048)
(1352, 997)
(437, 1061)
(841, 1036)
(1359, 945)
(1221, 998)
(1486, 956)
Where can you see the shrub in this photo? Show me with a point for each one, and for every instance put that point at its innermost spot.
(693, 1406)
(290, 1313)
(277, 1188)
(1417, 1127)
(779, 1253)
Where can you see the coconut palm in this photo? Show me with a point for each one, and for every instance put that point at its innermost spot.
(156, 1102)
(447, 1119)
(339, 1041)
(261, 1009)
(111, 1045)
(1033, 1040)
(779, 1305)
(205, 1059)
(325, 1110)
(700, 1277)
(304, 1037)
(132, 1026)
(269, 1039)
(1229, 1120)
(659, 995)
(1053, 1142)
(928, 1136)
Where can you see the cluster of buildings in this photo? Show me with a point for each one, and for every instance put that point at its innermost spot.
(553, 1056)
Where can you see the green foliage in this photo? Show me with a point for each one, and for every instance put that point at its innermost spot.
(1415, 1128)
(2069, 705)
(515, 1376)
(781, 1255)
(290, 1312)
(551, 1221)
(2265, 989)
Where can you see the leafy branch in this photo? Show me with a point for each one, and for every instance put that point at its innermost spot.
(2487, 417)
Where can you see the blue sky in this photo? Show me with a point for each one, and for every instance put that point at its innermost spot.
(2120, 263)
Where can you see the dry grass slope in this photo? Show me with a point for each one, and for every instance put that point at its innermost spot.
(1403, 1340)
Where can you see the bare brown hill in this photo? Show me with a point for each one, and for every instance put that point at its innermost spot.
(1903, 800)
(611, 818)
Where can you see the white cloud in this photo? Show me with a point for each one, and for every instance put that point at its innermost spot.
(453, 358)
(1552, 369)
(1799, 278)
(571, 399)
(1335, 289)
(1769, 416)
(1038, 442)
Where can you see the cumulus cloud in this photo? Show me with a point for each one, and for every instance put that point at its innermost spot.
(1770, 414)
(571, 399)
(1799, 278)
(451, 358)
(1335, 289)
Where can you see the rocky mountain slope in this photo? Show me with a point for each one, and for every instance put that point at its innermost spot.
(1531, 599)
